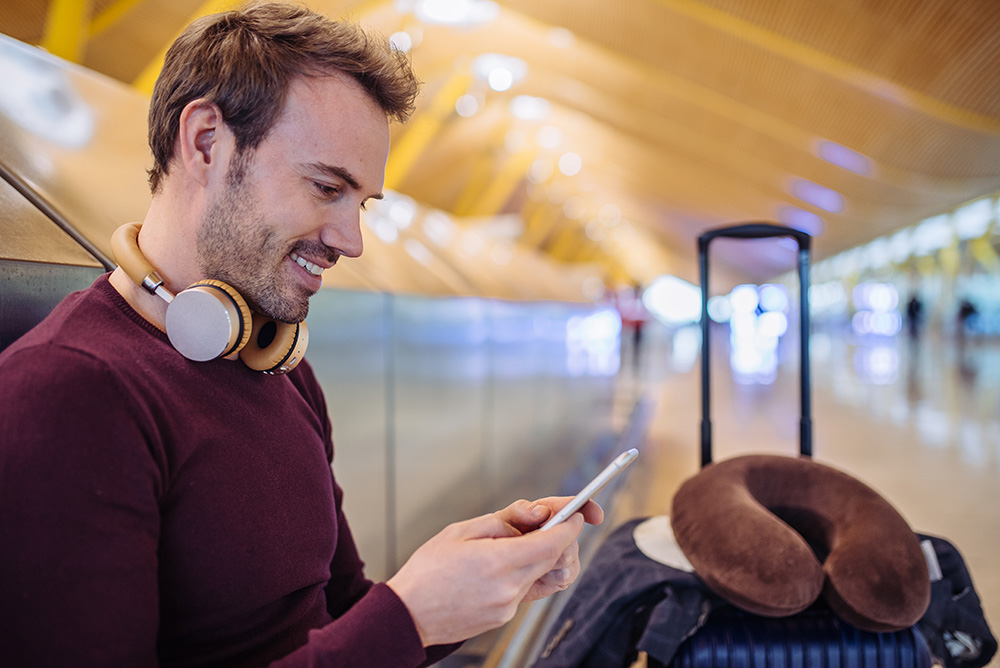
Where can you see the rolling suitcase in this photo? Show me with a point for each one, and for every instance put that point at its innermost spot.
(639, 603)
(732, 638)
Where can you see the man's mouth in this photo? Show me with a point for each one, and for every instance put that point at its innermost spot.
(312, 268)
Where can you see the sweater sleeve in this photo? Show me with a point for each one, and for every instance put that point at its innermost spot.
(79, 519)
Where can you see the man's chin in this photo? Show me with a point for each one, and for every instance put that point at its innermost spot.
(287, 318)
(286, 311)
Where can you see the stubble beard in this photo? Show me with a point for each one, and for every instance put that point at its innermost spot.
(236, 245)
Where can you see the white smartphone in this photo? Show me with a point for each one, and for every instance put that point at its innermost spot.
(620, 463)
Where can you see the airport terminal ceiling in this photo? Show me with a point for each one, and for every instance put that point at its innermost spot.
(613, 133)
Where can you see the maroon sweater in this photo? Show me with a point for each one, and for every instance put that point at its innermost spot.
(160, 512)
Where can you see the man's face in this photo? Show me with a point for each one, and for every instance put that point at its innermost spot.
(291, 208)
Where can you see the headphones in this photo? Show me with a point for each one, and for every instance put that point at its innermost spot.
(210, 319)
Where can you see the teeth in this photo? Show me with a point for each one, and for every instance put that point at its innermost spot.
(313, 269)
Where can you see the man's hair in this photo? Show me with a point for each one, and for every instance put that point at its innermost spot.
(245, 60)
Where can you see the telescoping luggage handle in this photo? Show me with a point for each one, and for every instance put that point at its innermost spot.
(756, 231)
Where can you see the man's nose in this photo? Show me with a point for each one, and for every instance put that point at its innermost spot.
(343, 233)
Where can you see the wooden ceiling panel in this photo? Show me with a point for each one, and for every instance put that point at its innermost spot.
(686, 113)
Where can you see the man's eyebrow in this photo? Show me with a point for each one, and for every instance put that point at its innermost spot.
(338, 172)
(341, 173)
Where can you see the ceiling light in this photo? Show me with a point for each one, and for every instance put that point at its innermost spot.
(457, 13)
(817, 195)
(515, 141)
(385, 230)
(596, 231)
(844, 157)
(610, 214)
(439, 228)
(540, 171)
(500, 71)
(803, 220)
(570, 164)
(418, 252)
(574, 208)
(528, 108)
(500, 79)
(561, 38)
(401, 41)
(548, 136)
(467, 105)
(401, 212)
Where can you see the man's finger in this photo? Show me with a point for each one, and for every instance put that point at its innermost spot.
(525, 515)
(539, 551)
(592, 511)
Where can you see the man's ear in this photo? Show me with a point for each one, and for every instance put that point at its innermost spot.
(202, 139)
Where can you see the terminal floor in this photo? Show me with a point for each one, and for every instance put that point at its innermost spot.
(919, 421)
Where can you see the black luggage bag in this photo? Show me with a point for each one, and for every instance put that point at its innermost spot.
(732, 638)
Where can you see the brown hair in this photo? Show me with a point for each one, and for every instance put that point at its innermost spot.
(244, 61)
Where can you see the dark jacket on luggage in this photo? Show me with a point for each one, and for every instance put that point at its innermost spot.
(626, 603)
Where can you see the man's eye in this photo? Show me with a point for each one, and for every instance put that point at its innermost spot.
(329, 192)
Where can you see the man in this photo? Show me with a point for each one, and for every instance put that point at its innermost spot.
(156, 510)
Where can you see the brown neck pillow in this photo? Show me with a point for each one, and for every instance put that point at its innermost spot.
(770, 534)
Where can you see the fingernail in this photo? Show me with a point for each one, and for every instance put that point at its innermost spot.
(538, 512)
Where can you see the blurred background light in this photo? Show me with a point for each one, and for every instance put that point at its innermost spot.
(466, 105)
(570, 164)
(592, 343)
(401, 211)
(932, 235)
(418, 252)
(803, 220)
(744, 298)
(439, 228)
(548, 136)
(501, 72)
(540, 171)
(457, 13)
(774, 297)
(528, 108)
(719, 308)
(844, 157)
(973, 220)
(610, 214)
(561, 38)
(879, 365)
(401, 40)
(672, 300)
(818, 196)
(772, 324)
(500, 79)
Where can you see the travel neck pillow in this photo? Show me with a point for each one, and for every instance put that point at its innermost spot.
(770, 534)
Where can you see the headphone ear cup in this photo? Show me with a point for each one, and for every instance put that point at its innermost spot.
(275, 347)
(208, 320)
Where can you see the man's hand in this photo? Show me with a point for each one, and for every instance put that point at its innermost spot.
(526, 516)
(471, 576)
